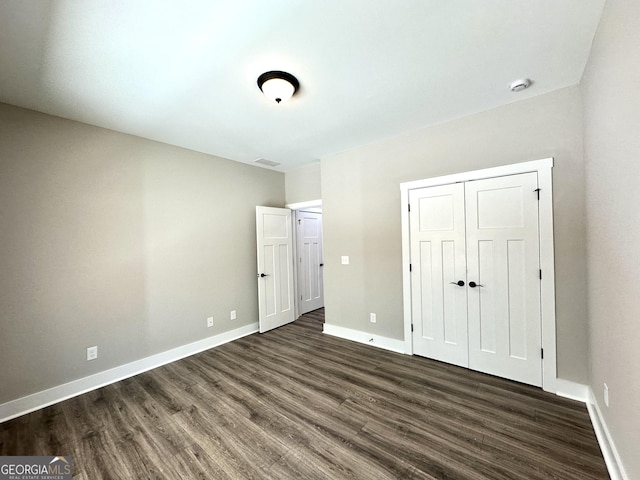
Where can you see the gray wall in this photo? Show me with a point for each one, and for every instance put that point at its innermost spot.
(361, 206)
(116, 241)
(612, 150)
(303, 184)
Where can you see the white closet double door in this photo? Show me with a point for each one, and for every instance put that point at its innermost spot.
(475, 281)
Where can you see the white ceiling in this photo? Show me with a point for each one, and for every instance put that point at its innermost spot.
(184, 72)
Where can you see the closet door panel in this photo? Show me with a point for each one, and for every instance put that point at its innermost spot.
(439, 307)
(503, 262)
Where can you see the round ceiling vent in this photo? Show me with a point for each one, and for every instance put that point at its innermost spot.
(519, 85)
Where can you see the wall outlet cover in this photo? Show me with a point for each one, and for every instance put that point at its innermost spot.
(92, 353)
(233, 315)
(210, 322)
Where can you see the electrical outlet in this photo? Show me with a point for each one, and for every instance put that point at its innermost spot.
(345, 260)
(606, 395)
(210, 322)
(372, 318)
(92, 353)
(233, 315)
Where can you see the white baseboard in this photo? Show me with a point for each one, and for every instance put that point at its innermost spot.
(607, 446)
(364, 337)
(36, 401)
(572, 390)
(584, 394)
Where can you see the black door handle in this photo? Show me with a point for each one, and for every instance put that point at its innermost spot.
(460, 283)
(262, 275)
(474, 285)
(322, 264)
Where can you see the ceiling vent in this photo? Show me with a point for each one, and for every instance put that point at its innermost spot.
(519, 85)
(268, 163)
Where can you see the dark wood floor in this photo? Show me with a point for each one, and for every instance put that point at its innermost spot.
(296, 404)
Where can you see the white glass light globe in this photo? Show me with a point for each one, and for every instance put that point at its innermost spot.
(278, 90)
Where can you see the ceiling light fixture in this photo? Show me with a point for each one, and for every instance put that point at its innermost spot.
(278, 86)
(519, 85)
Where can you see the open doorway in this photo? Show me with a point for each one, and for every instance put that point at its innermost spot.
(308, 256)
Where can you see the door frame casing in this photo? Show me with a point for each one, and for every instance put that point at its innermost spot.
(543, 168)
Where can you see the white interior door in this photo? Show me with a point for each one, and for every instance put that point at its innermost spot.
(503, 260)
(439, 307)
(475, 285)
(275, 267)
(310, 261)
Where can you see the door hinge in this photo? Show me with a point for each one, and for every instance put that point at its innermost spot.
(540, 273)
(412, 327)
(410, 268)
(409, 206)
(537, 190)
(542, 353)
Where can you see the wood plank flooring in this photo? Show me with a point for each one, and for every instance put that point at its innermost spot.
(296, 404)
